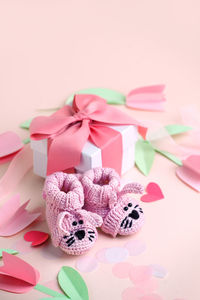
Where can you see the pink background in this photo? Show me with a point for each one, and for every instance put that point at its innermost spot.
(49, 49)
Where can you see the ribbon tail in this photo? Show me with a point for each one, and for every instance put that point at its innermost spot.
(62, 157)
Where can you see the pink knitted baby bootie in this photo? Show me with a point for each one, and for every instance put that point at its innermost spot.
(121, 213)
(72, 228)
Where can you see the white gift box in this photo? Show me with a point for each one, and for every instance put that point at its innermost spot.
(90, 155)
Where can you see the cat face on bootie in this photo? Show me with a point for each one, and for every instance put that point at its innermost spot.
(125, 217)
(77, 231)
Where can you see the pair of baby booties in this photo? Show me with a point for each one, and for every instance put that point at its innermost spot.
(76, 204)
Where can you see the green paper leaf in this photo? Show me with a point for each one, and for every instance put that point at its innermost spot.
(111, 96)
(176, 129)
(49, 292)
(10, 251)
(144, 156)
(26, 141)
(72, 284)
(25, 124)
(170, 156)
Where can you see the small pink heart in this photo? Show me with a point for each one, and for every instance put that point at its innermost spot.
(36, 237)
(154, 193)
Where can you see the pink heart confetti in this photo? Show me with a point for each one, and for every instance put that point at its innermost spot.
(189, 173)
(36, 237)
(147, 286)
(100, 255)
(158, 271)
(143, 289)
(112, 255)
(10, 144)
(116, 254)
(86, 264)
(135, 247)
(121, 270)
(151, 297)
(139, 274)
(131, 293)
(154, 193)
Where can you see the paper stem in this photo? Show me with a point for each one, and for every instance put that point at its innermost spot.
(48, 291)
(170, 156)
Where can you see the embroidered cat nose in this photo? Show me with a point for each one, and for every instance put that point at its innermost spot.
(80, 234)
(134, 215)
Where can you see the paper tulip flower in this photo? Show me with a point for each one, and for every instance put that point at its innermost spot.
(16, 275)
(147, 98)
(71, 283)
(144, 98)
(14, 217)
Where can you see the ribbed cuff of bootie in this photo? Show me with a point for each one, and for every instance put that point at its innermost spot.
(64, 191)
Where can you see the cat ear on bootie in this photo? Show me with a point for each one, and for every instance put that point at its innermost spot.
(76, 231)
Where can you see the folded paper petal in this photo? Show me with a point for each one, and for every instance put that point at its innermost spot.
(69, 128)
(14, 218)
(189, 173)
(18, 167)
(147, 98)
(16, 275)
(9, 208)
(10, 145)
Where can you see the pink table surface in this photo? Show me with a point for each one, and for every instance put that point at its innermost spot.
(50, 49)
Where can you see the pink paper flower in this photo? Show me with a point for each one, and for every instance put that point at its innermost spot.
(147, 98)
(16, 275)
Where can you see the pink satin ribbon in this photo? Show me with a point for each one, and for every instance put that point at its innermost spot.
(68, 129)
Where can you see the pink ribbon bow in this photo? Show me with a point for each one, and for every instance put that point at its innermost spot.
(68, 129)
